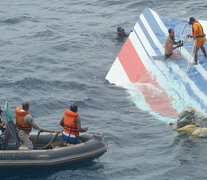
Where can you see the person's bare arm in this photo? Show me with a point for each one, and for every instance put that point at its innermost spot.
(176, 42)
(62, 122)
(78, 124)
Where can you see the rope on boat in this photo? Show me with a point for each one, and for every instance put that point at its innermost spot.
(50, 142)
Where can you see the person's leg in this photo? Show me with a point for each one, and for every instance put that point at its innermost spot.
(196, 55)
(28, 142)
(65, 138)
(70, 140)
(24, 138)
(203, 50)
(199, 44)
(175, 56)
(74, 140)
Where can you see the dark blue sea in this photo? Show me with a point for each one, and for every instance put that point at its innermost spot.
(54, 53)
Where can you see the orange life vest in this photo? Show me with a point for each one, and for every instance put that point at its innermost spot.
(69, 124)
(26, 127)
(197, 30)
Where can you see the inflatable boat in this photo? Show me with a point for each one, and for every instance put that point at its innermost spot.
(56, 153)
(49, 148)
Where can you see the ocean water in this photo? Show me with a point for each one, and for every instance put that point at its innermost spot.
(55, 53)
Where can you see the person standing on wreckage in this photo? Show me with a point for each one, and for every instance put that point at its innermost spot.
(169, 46)
(199, 36)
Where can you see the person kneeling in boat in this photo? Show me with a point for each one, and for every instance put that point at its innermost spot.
(24, 124)
(72, 125)
(170, 41)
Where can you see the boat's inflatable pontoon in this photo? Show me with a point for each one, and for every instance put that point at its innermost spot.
(57, 153)
(49, 148)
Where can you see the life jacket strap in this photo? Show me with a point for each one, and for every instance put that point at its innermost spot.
(70, 128)
(200, 36)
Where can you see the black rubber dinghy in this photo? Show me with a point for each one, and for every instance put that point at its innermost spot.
(50, 150)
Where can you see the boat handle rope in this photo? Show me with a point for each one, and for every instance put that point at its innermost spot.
(50, 142)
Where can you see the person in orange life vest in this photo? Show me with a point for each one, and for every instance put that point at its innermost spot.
(72, 125)
(24, 124)
(199, 36)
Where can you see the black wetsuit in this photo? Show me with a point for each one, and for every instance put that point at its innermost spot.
(121, 32)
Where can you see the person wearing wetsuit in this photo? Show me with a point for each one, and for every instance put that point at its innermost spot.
(169, 42)
(199, 36)
(121, 32)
